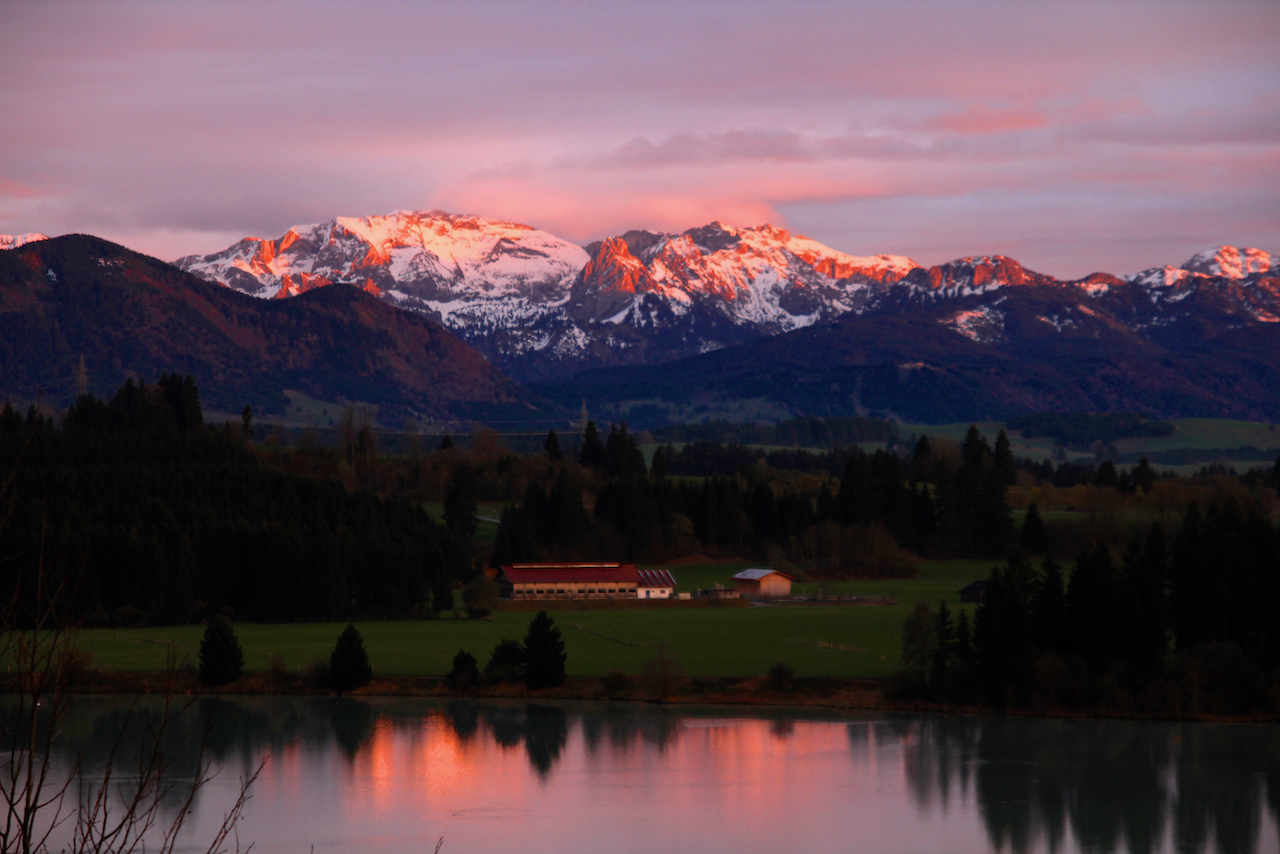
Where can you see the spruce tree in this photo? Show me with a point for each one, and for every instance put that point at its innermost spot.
(464, 672)
(1035, 536)
(1048, 609)
(506, 662)
(221, 658)
(544, 654)
(349, 663)
(592, 453)
(964, 640)
(1006, 465)
(944, 640)
(552, 447)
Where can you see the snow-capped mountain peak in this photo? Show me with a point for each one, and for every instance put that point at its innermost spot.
(421, 258)
(1229, 262)
(13, 241)
(543, 308)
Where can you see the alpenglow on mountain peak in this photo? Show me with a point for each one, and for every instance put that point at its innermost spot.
(515, 291)
(543, 308)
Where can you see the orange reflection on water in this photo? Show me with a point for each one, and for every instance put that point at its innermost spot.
(426, 765)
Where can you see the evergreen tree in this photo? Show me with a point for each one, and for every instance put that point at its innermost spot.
(441, 591)
(964, 640)
(506, 662)
(465, 672)
(446, 443)
(921, 460)
(1003, 630)
(1093, 616)
(1143, 635)
(183, 398)
(552, 447)
(1006, 465)
(221, 658)
(516, 540)
(945, 640)
(566, 523)
(592, 454)
(1144, 477)
(1048, 609)
(460, 504)
(975, 452)
(349, 663)
(544, 655)
(1034, 538)
(919, 641)
(625, 458)
(658, 470)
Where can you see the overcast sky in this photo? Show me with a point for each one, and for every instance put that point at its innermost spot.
(1072, 136)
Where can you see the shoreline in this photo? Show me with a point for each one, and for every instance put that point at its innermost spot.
(759, 692)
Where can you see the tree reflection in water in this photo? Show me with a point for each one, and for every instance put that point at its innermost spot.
(1115, 785)
(1097, 786)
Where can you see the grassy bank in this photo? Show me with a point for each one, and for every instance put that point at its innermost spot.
(845, 641)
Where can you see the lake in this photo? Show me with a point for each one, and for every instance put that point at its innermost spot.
(395, 775)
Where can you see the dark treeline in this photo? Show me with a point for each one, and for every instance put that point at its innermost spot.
(1184, 624)
(139, 513)
(806, 432)
(1104, 474)
(882, 503)
(1080, 430)
(702, 459)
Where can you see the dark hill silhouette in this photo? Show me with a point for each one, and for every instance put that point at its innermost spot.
(129, 314)
(909, 358)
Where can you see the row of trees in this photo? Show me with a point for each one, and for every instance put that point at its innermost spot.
(927, 503)
(538, 662)
(1181, 623)
(222, 658)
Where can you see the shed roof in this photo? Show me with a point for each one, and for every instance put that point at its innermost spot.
(555, 573)
(974, 587)
(656, 578)
(757, 574)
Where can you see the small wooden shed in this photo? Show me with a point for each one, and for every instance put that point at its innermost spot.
(973, 592)
(763, 582)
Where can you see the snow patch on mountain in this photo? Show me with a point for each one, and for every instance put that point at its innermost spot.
(13, 241)
(983, 324)
(1229, 262)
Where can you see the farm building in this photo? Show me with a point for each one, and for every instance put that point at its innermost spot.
(655, 584)
(973, 592)
(571, 581)
(763, 582)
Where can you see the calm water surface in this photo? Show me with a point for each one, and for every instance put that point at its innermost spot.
(392, 775)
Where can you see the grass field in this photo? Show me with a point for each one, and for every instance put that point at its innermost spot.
(706, 641)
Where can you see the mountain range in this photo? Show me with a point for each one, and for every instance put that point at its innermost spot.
(545, 310)
(757, 322)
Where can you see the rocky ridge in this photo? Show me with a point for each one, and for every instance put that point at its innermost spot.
(545, 309)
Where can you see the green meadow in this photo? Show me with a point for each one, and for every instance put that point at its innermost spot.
(848, 640)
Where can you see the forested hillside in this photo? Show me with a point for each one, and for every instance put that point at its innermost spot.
(79, 301)
(132, 510)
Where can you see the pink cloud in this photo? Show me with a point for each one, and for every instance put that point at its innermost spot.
(18, 190)
(173, 126)
(980, 119)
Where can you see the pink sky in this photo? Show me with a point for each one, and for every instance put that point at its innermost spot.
(1073, 136)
